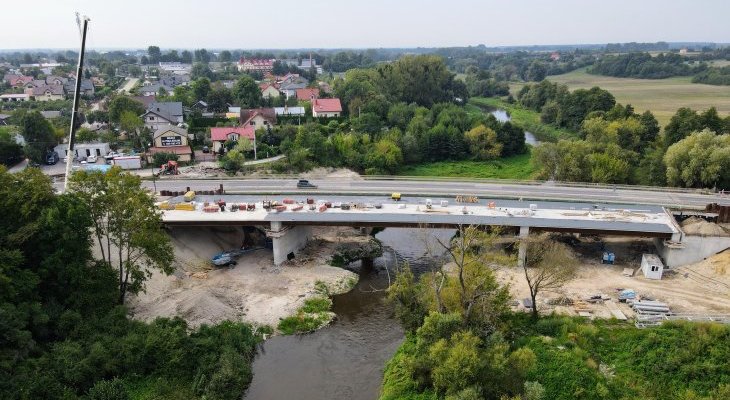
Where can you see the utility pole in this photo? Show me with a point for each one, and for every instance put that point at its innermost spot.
(77, 90)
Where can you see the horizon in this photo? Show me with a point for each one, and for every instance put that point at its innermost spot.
(407, 24)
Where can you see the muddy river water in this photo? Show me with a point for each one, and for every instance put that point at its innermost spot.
(346, 359)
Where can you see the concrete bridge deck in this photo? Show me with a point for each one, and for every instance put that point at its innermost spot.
(618, 219)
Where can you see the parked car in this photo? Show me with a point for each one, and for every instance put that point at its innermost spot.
(91, 159)
(305, 184)
(52, 158)
(206, 149)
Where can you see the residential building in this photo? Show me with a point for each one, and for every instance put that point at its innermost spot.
(17, 81)
(176, 67)
(170, 139)
(48, 92)
(289, 111)
(153, 89)
(255, 65)
(7, 98)
(220, 135)
(258, 117)
(290, 89)
(326, 108)
(87, 87)
(83, 150)
(269, 90)
(307, 94)
(164, 113)
(145, 100)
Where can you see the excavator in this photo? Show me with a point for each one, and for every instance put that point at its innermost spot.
(169, 168)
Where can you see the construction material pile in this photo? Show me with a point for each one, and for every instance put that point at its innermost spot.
(695, 226)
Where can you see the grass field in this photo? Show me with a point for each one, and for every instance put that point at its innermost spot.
(515, 167)
(661, 96)
(526, 119)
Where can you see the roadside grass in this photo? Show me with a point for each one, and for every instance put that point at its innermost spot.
(661, 96)
(515, 167)
(526, 119)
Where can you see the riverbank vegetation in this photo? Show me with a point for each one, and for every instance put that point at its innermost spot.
(65, 334)
(463, 342)
(526, 119)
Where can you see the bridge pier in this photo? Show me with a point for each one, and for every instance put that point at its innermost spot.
(287, 240)
(522, 252)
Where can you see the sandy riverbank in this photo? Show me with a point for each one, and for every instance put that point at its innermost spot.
(253, 291)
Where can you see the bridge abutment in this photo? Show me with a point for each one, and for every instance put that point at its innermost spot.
(287, 240)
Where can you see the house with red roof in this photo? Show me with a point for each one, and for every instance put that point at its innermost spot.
(220, 135)
(255, 65)
(269, 90)
(17, 81)
(326, 108)
(307, 94)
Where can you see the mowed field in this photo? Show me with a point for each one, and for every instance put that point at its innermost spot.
(662, 96)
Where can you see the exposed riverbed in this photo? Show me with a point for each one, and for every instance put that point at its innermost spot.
(347, 358)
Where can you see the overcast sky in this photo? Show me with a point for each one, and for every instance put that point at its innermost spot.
(247, 24)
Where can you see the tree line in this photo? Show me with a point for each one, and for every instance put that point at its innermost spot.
(66, 333)
(643, 65)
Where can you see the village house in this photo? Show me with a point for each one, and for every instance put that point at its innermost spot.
(290, 89)
(163, 113)
(153, 89)
(255, 65)
(17, 81)
(258, 117)
(307, 94)
(326, 108)
(220, 135)
(47, 92)
(269, 90)
(170, 139)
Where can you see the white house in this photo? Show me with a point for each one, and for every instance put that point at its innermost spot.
(652, 266)
(159, 115)
(83, 150)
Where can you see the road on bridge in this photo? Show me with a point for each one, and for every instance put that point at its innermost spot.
(334, 186)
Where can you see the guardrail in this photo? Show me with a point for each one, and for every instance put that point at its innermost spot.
(461, 179)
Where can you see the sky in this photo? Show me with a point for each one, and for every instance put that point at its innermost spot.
(245, 24)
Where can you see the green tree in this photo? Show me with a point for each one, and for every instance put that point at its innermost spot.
(120, 104)
(548, 266)
(225, 56)
(127, 226)
(10, 151)
(154, 54)
(84, 135)
(201, 70)
(702, 159)
(385, 156)
(39, 136)
(247, 93)
(483, 143)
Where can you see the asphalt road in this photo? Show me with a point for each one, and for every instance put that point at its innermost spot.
(449, 189)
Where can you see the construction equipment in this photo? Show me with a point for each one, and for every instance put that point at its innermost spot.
(395, 196)
(169, 168)
(189, 196)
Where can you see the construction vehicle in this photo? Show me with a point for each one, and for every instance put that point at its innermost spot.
(169, 168)
(395, 196)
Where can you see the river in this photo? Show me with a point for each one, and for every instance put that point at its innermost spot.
(346, 359)
(503, 116)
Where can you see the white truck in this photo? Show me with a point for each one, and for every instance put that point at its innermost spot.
(128, 162)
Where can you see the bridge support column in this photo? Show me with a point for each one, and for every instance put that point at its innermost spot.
(287, 240)
(522, 252)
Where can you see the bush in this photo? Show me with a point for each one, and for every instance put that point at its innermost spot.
(108, 390)
(163, 158)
